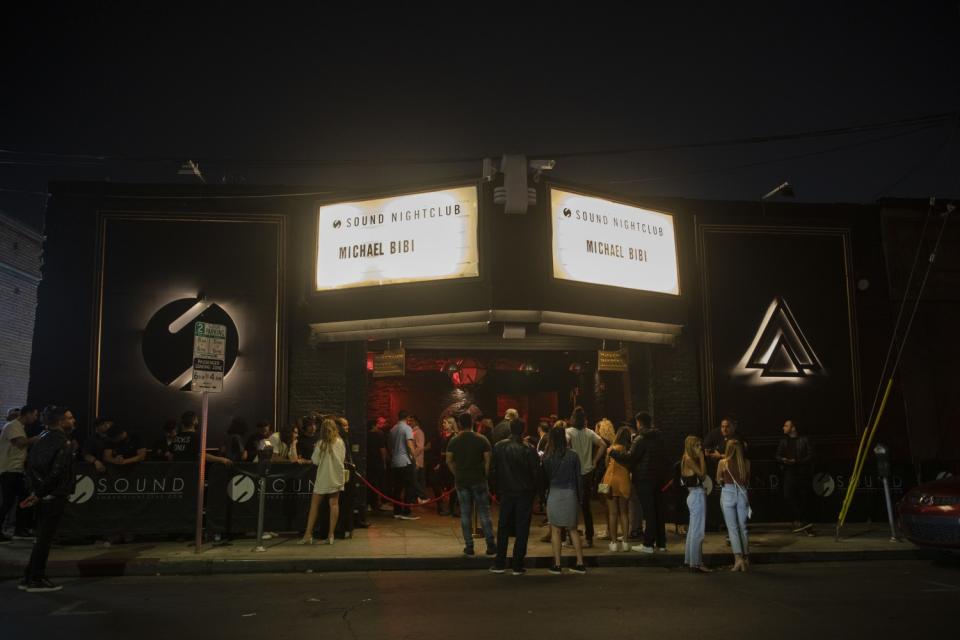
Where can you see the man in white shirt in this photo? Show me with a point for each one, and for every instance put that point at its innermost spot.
(13, 455)
(589, 447)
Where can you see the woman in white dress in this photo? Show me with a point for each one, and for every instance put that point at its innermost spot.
(328, 455)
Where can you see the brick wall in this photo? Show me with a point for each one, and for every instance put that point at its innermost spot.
(675, 387)
(20, 259)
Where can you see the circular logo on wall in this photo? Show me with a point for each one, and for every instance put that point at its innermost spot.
(336, 224)
(167, 343)
(943, 475)
(83, 491)
(567, 213)
(824, 485)
(241, 488)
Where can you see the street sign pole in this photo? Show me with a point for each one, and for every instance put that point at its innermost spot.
(209, 357)
(202, 476)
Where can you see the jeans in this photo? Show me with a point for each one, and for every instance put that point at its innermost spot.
(47, 521)
(404, 488)
(733, 501)
(477, 495)
(516, 510)
(651, 501)
(697, 505)
(14, 490)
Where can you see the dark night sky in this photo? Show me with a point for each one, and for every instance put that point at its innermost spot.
(247, 90)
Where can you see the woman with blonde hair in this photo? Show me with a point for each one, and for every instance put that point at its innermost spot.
(616, 487)
(693, 468)
(733, 472)
(328, 455)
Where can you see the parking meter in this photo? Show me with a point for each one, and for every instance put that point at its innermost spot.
(264, 458)
(883, 461)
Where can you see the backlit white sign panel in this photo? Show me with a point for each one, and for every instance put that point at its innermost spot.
(609, 243)
(408, 238)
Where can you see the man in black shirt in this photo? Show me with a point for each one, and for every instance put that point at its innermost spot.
(715, 444)
(51, 480)
(161, 448)
(502, 430)
(122, 448)
(308, 438)
(96, 442)
(795, 456)
(513, 472)
(186, 446)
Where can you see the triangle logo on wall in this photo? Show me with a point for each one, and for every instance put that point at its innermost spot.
(780, 350)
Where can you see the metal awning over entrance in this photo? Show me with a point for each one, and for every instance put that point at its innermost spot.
(499, 329)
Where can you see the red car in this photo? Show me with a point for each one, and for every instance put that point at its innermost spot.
(930, 514)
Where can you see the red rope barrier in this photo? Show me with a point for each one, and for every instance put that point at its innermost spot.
(397, 502)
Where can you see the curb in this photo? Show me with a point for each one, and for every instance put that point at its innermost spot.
(113, 567)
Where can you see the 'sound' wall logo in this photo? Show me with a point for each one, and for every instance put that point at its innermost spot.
(241, 488)
(779, 351)
(84, 490)
(167, 344)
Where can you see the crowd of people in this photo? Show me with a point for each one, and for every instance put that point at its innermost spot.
(567, 464)
(557, 472)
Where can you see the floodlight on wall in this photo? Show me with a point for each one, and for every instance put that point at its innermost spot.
(784, 190)
(191, 168)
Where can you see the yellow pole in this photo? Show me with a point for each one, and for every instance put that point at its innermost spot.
(862, 454)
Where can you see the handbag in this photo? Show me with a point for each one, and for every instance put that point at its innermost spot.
(603, 488)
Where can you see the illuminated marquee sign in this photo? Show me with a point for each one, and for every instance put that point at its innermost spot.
(613, 244)
(407, 238)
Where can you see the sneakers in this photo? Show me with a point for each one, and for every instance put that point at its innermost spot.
(41, 586)
(497, 570)
(614, 546)
(578, 568)
(662, 549)
(269, 535)
(491, 550)
(555, 570)
(22, 585)
(642, 548)
(405, 516)
(624, 545)
(468, 551)
(422, 501)
(799, 528)
(519, 571)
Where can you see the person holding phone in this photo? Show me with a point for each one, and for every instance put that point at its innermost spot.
(693, 469)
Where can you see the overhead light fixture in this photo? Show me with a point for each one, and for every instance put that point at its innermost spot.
(529, 367)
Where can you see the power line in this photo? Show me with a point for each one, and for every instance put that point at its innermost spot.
(758, 163)
(65, 159)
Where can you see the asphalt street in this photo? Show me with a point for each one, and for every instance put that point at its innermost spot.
(813, 600)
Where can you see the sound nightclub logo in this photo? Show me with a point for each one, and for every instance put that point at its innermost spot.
(83, 491)
(567, 213)
(824, 485)
(167, 343)
(241, 488)
(779, 352)
(336, 224)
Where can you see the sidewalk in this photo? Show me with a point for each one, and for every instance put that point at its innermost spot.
(435, 542)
